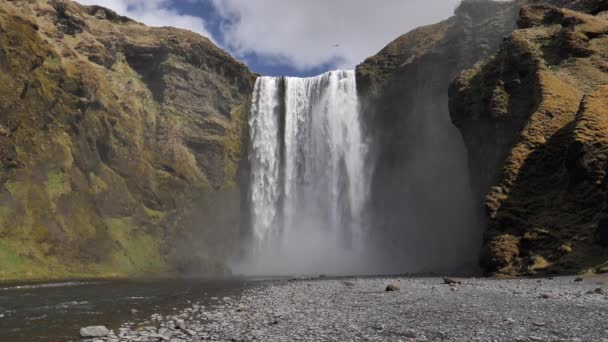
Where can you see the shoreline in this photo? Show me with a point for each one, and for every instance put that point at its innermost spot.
(9, 283)
(359, 309)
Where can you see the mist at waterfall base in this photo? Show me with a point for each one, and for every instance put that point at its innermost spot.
(311, 172)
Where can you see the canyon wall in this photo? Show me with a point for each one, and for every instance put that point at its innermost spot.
(121, 145)
(422, 205)
(123, 148)
(533, 118)
(530, 113)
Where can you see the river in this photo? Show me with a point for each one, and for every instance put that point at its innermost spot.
(57, 311)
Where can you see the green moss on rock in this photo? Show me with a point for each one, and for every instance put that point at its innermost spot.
(138, 252)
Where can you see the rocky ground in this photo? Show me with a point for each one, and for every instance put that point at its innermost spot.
(424, 309)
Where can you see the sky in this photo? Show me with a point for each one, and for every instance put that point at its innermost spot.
(290, 37)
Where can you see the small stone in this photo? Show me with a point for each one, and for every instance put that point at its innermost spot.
(94, 331)
(450, 281)
(565, 248)
(180, 324)
(392, 288)
(409, 333)
(378, 327)
(578, 279)
(598, 290)
(509, 320)
(546, 296)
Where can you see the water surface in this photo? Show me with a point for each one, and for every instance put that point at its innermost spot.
(57, 311)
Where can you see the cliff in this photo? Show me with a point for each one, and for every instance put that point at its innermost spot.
(421, 198)
(121, 145)
(533, 118)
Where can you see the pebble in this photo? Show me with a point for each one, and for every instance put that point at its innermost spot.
(392, 288)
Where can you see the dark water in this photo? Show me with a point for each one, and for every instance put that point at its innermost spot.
(57, 311)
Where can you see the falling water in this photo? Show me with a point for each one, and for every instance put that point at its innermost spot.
(309, 181)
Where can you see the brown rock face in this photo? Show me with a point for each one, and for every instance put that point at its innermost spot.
(121, 146)
(534, 119)
(420, 195)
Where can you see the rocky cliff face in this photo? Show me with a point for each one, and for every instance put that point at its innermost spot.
(533, 118)
(420, 193)
(120, 145)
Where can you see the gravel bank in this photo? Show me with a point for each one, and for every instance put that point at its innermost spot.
(425, 309)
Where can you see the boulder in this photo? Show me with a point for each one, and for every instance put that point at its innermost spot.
(94, 331)
(392, 288)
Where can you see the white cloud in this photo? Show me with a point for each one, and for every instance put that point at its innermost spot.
(154, 13)
(303, 32)
(299, 33)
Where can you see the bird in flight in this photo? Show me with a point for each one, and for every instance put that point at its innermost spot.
(336, 45)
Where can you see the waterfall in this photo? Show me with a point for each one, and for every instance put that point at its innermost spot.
(309, 181)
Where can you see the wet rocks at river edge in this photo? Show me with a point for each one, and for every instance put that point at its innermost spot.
(94, 331)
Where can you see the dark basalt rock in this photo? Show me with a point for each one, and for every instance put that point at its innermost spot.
(66, 21)
(602, 232)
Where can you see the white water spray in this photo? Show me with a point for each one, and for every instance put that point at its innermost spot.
(309, 181)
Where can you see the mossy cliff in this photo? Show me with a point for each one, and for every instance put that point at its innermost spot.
(421, 200)
(531, 115)
(121, 146)
(534, 118)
